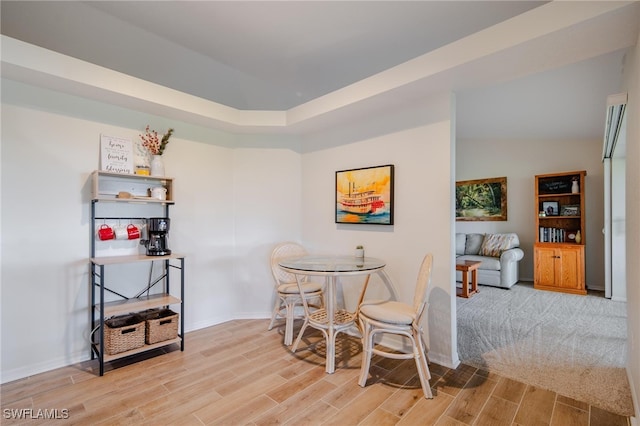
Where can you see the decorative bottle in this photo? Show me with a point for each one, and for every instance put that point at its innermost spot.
(575, 187)
(578, 237)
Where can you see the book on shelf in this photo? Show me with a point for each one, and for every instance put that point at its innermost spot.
(552, 235)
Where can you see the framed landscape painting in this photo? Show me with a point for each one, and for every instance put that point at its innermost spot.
(482, 199)
(365, 195)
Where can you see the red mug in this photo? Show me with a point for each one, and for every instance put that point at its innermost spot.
(133, 231)
(105, 232)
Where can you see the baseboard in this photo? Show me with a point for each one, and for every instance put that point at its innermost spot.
(43, 367)
(589, 287)
(208, 323)
(595, 288)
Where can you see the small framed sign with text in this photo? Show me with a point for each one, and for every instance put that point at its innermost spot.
(116, 154)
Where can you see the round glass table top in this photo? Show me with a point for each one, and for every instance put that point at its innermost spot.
(332, 264)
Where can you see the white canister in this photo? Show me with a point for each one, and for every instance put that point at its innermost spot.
(159, 193)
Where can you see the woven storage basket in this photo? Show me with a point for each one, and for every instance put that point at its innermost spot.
(162, 324)
(123, 333)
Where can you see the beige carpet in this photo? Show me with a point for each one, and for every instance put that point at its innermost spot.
(573, 345)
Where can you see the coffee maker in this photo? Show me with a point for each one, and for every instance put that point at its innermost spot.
(157, 228)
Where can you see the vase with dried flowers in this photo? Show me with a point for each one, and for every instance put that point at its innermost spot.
(156, 146)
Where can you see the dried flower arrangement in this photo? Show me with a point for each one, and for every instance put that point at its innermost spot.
(153, 143)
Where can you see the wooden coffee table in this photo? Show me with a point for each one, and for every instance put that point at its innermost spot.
(466, 266)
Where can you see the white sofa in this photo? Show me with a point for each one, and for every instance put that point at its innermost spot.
(499, 254)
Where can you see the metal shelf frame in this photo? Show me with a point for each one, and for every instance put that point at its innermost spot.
(139, 301)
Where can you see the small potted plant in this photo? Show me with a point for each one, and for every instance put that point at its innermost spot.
(359, 251)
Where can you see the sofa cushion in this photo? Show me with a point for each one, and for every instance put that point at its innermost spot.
(460, 243)
(494, 244)
(488, 263)
(473, 244)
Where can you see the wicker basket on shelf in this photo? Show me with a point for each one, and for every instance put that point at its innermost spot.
(162, 324)
(123, 333)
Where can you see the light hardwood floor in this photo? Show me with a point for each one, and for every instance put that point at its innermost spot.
(238, 373)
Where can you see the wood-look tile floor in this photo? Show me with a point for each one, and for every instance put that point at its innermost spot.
(238, 373)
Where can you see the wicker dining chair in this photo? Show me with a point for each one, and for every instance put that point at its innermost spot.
(287, 293)
(392, 317)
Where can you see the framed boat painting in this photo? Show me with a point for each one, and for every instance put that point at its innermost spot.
(482, 199)
(365, 196)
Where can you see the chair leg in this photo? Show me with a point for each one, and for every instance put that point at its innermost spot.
(421, 365)
(423, 370)
(367, 345)
(276, 310)
(288, 329)
(422, 347)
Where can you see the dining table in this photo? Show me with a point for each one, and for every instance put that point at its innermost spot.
(332, 268)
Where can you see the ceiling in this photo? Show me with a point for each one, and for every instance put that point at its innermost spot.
(281, 55)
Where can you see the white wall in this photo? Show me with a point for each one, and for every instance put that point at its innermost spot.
(50, 146)
(632, 86)
(267, 210)
(422, 156)
(618, 231)
(44, 239)
(520, 161)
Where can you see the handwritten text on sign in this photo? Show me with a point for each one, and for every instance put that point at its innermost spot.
(116, 154)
